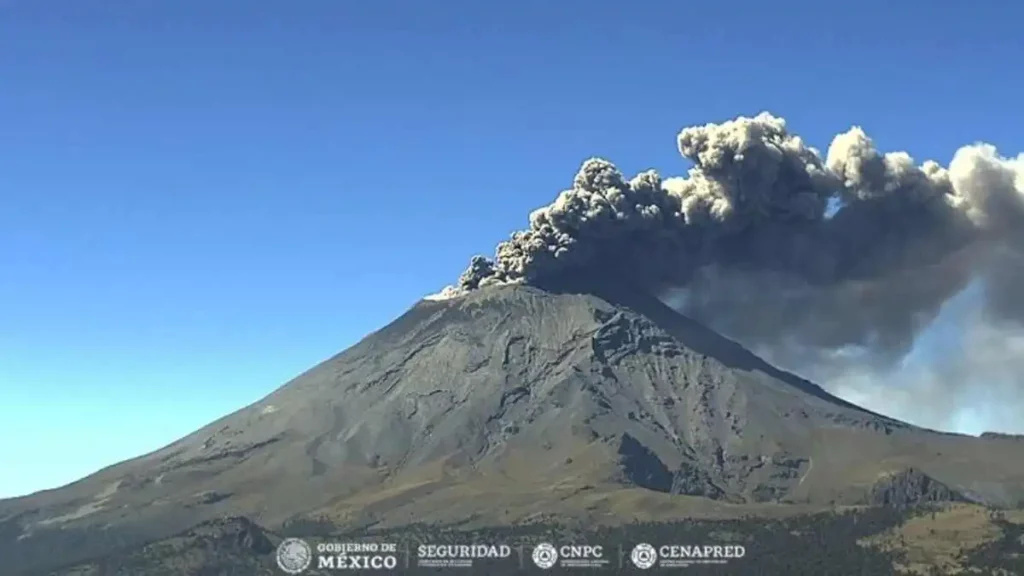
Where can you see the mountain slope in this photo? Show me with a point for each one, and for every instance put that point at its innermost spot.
(510, 403)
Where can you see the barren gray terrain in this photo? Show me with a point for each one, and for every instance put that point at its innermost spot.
(514, 405)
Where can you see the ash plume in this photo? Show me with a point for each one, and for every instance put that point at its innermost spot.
(799, 255)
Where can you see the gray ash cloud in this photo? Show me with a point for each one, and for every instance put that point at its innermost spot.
(788, 250)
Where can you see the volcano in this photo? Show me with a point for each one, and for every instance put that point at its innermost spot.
(506, 405)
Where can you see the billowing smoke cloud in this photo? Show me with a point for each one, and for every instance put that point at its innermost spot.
(806, 258)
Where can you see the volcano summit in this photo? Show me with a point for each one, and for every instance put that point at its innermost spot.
(545, 386)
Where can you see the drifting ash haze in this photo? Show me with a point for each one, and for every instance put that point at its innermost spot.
(830, 265)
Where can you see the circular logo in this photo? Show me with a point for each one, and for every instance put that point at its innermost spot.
(294, 555)
(545, 556)
(644, 556)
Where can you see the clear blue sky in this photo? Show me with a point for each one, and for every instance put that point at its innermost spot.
(201, 199)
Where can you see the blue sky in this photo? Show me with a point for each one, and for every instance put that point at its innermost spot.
(199, 200)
